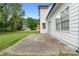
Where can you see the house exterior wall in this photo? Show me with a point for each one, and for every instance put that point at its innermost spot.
(71, 36)
(42, 14)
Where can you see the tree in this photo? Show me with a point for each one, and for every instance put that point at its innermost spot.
(10, 16)
(20, 24)
(3, 22)
(32, 23)
(17, 16)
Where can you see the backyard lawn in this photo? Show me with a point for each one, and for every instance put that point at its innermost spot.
(9, 38)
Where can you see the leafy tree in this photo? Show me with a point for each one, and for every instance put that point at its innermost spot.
(10, 16)
(17, 16)
(32, 23)
(20, 24)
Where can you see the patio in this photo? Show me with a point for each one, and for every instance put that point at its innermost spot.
(39, 44)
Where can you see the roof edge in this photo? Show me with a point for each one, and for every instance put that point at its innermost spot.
(51, 10)
(43, 6)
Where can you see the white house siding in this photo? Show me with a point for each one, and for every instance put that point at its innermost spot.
(72, 35)
(43, 12)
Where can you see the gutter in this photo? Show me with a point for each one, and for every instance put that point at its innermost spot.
(51, 10)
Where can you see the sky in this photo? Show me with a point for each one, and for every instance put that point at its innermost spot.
(31, 9)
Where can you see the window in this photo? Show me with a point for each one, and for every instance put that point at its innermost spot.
(62, 23)
(65, 19)
(43, 25)
(58, 24)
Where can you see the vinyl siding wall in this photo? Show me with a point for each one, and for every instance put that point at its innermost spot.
(71, 36)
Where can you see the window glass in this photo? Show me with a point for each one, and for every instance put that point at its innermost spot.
(43, 25)
(65, 19)
(58, 21)
(65, 25)
(58, 26)
(62, 23)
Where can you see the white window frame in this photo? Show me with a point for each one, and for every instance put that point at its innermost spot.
(65, 30)
(63, 21)
(43, 25)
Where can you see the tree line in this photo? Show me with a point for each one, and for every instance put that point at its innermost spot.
(31, 23)
(11, 16)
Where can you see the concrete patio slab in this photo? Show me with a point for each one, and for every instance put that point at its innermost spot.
(39, 44)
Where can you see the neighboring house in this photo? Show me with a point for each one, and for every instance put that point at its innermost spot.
(25, 28)
(62, 21)
(42, 13)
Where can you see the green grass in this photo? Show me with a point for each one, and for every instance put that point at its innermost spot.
(9, 38)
